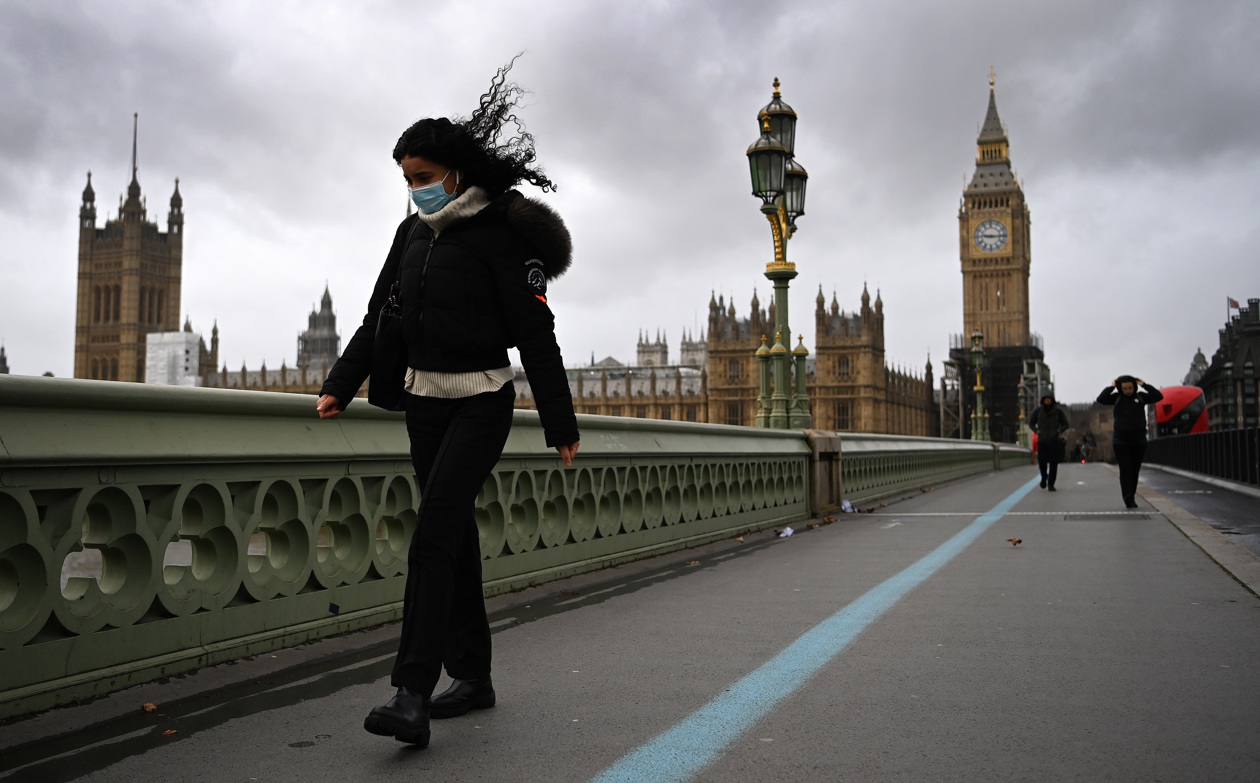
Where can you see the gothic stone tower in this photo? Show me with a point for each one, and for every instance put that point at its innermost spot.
(849, 378)
(129, 284)
(733, 369)
(652, 354)
(993, 236)
(320, 345)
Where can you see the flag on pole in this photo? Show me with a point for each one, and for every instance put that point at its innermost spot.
(1233, 303)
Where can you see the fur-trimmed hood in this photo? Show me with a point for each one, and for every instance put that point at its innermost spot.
(543, 228)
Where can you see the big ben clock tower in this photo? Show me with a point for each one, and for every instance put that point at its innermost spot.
(994, 241)
(994, 247)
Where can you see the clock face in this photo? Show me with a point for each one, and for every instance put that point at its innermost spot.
(990, 236)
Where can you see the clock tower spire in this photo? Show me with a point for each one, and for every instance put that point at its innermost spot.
(993, 233)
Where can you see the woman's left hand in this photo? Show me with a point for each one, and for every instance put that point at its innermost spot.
(567, 453)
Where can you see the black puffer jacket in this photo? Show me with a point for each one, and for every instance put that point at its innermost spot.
(484, 290)
(1130, 412)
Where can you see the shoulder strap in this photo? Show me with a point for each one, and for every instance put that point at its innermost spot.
(393, 300)
(411, 236)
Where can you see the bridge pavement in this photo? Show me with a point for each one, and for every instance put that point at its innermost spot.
(1108, 645)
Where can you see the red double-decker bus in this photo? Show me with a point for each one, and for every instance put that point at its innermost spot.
(1183, 410)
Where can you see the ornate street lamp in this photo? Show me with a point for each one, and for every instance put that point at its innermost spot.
(767, 162)
(1023, 434)
(794, 192)
(979, 417)
(779, 181)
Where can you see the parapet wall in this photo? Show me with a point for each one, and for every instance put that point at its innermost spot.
(146, 531)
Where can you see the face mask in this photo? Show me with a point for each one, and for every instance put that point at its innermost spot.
(430, 198)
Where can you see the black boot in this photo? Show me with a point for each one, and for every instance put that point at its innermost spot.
(405, 718)
(462, 696)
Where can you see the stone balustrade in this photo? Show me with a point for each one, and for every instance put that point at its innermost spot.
(146, 531)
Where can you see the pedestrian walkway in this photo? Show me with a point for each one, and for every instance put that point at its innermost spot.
(914, 642)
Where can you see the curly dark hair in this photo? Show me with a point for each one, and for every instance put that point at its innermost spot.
(473, 146)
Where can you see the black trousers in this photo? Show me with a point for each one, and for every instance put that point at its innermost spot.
(1129, 454)
(454, 447)
(1049, 455)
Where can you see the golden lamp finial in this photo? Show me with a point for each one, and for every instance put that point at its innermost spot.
(776, 87)
(992, 77)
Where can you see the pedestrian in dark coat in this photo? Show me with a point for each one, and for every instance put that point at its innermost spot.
(1049, 422)
(1129, 397)
(473, 267)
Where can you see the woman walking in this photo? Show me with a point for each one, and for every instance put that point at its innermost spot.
(1129, 396)
(471, 271)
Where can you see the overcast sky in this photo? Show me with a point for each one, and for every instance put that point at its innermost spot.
(1134, 127)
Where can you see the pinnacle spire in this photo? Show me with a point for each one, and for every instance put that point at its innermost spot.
(135, 132)
(133, 204)
(992, 129)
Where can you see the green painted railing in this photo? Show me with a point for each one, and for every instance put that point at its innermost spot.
(149, 530)
(879, 466)
(146, 531)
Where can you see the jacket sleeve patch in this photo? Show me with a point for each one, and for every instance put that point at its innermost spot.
(535, 279)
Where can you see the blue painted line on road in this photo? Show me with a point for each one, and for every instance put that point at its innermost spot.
(698, 740)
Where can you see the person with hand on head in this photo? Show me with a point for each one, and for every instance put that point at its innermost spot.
(469, 274)
(1129, 397)
(1049, 422)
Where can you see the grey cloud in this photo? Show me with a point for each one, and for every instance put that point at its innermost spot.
(279, 121)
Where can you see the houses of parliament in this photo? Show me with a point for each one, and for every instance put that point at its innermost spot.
(127, 320)
(850, 386)
(128, 317)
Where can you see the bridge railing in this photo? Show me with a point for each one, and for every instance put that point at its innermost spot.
(146, 531)
(869, 466)
(1229, 454)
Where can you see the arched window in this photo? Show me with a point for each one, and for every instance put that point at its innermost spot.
(96, 305)
(113, 369)
(108, 296)
(844, 416)
(96, 366)
(117, 303)
(161, 297)
(732, 369)
(143, 297)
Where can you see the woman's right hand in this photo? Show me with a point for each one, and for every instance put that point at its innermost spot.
(567, 453)
(328, 407)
